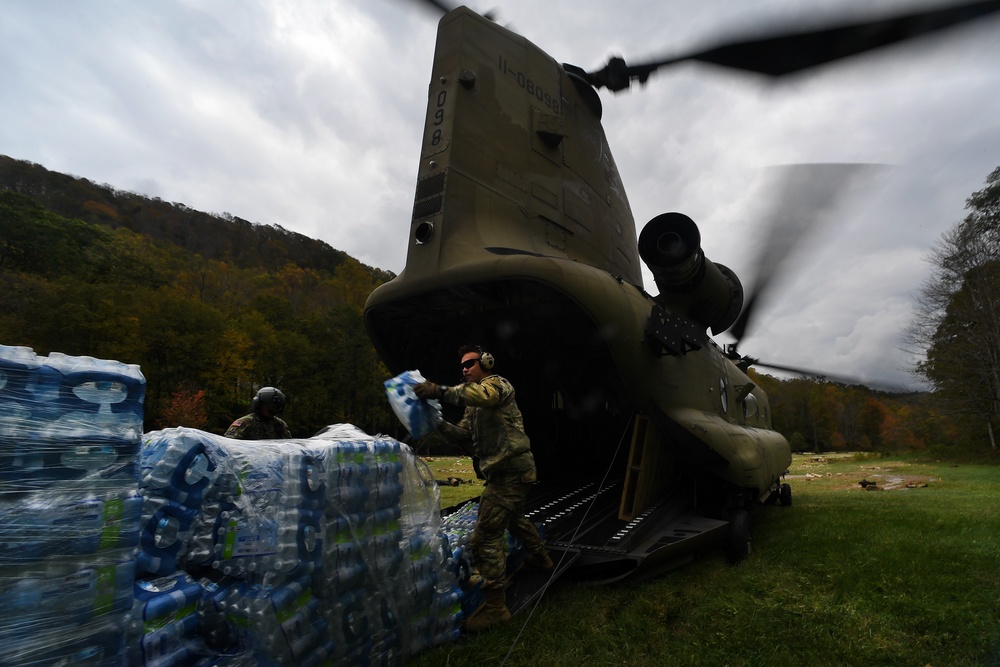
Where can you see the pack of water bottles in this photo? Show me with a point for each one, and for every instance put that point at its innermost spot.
(325, 550)
(420, 417)
(70, 431)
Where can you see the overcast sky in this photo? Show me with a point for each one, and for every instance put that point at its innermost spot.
(308, 114)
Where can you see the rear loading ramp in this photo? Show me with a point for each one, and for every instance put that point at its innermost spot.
(585, 518)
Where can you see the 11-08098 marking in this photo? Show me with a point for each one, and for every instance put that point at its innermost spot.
(529, 86)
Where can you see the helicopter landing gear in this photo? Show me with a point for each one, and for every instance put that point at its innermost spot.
(782, 494)
(739, 541)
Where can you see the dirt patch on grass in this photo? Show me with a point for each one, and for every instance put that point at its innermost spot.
(866, 479)
(860, 472)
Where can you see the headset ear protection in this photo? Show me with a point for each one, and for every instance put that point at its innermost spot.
(486, 360)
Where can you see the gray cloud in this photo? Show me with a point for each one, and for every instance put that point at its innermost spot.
(308, 114)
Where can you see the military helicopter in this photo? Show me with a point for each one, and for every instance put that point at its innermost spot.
(652, 442)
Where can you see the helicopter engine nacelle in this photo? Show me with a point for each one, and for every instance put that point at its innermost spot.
(690, 284)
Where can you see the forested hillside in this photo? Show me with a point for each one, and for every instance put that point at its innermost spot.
(219, 237)
(212, 308)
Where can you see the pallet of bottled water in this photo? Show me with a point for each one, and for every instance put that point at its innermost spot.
(327, 550)
(70, 432)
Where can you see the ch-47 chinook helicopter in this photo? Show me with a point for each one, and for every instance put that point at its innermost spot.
(651, 440)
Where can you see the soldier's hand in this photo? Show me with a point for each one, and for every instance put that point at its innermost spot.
(426, 390)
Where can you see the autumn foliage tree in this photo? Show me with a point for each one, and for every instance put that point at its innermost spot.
(185, 408)
(207, 328)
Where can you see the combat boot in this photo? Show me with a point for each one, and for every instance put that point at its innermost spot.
(539, 560)
(493, 612)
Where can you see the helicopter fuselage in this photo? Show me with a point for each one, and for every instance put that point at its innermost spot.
(522, 240)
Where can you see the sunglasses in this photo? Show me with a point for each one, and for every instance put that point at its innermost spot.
(469, 363)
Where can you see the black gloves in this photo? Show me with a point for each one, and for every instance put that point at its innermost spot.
(426, 390)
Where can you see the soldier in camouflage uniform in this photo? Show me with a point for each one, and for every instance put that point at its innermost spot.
(492, 431)
(263, 423)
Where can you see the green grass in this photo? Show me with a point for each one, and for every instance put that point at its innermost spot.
(900, 576)
(460, 467)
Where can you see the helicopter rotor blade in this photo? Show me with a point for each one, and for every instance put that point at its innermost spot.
(778, 55)
(440, 6)
(805, 198)
(832, 377)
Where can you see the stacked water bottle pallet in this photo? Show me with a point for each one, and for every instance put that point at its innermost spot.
(307, 552)
(70, 430)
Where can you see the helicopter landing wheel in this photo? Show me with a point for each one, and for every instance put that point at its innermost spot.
(739, 541)
(785, 495)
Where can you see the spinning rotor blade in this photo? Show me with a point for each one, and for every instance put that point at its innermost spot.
(440, 6)
(778, 55)
(832, 377)
(806, 196)
(444, 8)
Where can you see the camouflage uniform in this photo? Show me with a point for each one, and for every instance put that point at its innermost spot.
(257, 427)
(493, 430)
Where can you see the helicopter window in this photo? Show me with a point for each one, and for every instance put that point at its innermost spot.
(724, 394)
(749, 406)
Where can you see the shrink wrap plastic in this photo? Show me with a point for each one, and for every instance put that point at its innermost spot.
(70, 431)
(182, 548)
(327, 550)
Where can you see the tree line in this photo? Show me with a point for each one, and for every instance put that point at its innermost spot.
(212, 316)
(819, 415)
(208, 330)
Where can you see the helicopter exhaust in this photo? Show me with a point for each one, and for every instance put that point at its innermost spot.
(690, 284)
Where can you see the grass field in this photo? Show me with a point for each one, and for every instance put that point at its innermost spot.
(908, 574)
(459, 468)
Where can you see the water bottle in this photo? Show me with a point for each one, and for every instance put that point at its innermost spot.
(162, 597)
(320, 656)
(28, 405)
(248, 544)
(387, 635)
(385, 552)
(262, 612)
(65, 593)
(348, 492)
(175, 642)
(97, 644)
(165, 532)
(304, 480)
(103, 400)
(344, 565)
(349, 619)
(207, 534)
(299, 548)
(176, 464)
(215, 630)
(98, 384)
(303, 631)
(17, 364)
(114, 589)
(387, 485)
